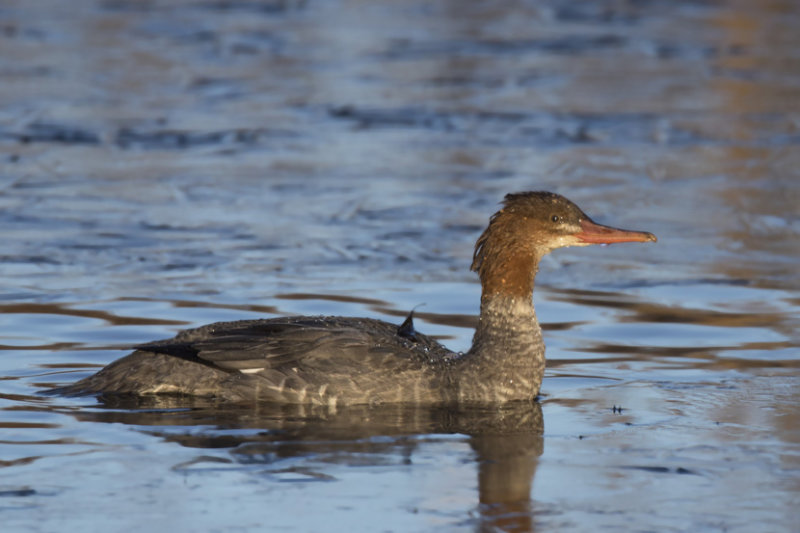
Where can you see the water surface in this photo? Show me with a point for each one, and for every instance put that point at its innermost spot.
(173, 163)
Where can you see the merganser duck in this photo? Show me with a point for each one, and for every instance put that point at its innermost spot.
(334, 361)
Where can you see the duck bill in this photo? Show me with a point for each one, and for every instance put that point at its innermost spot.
(592, 233)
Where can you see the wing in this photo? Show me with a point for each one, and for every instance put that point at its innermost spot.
(309, 343)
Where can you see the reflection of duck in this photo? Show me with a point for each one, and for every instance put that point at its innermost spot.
(337, 360)
(303, 442)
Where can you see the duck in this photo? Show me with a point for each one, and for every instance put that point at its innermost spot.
(336, 361)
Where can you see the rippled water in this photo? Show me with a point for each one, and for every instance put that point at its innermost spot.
(168, 164)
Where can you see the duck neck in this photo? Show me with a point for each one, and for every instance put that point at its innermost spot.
(507, 353)
(508, 334)
(507, 314)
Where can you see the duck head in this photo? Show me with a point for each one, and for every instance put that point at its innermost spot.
(530, 225)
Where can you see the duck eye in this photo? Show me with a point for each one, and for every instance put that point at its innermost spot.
(555, 218)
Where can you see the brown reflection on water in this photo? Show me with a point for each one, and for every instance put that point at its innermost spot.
(330, 297)
(756, 88)
(65, 310)
(195, 304)
(709, 355)
(53, 346)
(754, 349)
(653, 312)
(756, 75)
